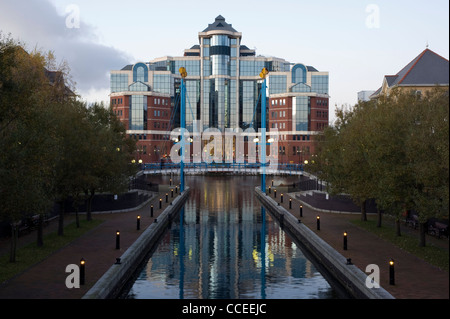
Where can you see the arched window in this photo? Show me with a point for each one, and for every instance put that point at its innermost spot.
(140, 73)
(299, 73)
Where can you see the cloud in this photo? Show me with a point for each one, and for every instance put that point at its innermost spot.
(38, 24)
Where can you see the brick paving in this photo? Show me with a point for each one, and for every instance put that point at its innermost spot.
(46, 280)
(415, 278)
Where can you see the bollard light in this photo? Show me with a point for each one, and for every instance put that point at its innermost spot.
(138, 222)
(318, 222)
(290, 203)
(82, 271)
(151, 210)
(391, 272)
(272, 182)
(269, 189)
(117, 239)
(281, 197)
(170, 182)
(301, 211)
(167, 197)
(345, 240)
(176, 189)
(171, 192)
(160, 203)
(275, 193)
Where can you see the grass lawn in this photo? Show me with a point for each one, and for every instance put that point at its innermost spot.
(433, 254)
(30, 254)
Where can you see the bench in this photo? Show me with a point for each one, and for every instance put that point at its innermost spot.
(438, 229)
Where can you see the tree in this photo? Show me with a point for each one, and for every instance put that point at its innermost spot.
(25, 171)
(394, 150)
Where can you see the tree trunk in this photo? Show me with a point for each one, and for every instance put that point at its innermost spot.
(397, 227)
(61, 219)
(363, 211)
(14, 236)
(77, 219)
(378, 217)
(89, 205)
(40, 231)
(422, 232)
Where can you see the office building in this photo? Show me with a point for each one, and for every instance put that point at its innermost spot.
(222, 88)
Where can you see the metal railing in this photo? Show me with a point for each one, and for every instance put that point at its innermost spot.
(154, 168)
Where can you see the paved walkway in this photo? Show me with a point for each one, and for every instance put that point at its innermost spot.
(46, 280)
(415, 278)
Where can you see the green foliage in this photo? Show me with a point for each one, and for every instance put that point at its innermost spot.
(52, 145)
(394, 150)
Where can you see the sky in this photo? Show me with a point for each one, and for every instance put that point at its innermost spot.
(356, 41)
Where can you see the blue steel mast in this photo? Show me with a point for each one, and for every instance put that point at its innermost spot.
(262, 150)
(183, 74)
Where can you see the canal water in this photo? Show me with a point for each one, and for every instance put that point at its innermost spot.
(225, 245)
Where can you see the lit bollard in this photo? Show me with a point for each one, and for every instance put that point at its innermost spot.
(171, 193)
(151, 210)
(117, 239)
(345, 240)
(290, 203)
(138, 222)
(301, 211)
(167, 198)
(275, 193)
(170, 182)
(176, 189)
(391, 272)
(269, 190)
(160, 203)
(318, 222)
(281, 197)
(82, 271)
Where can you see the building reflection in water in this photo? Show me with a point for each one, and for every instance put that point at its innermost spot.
(228, 247)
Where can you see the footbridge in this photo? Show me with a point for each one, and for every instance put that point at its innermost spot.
(222, 168)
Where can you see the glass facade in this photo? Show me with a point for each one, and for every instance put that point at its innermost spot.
(301, 110)
(138, 112)
(119, 82)
(222, 85)
(163, 83)
(277, 84)
(319, 84)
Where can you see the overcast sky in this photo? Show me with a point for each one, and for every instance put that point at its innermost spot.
(357, 42)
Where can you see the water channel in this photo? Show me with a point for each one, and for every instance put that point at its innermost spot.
(225, 245)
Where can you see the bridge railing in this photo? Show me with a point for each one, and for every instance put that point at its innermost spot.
(216, 166)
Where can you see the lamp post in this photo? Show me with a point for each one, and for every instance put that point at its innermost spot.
(391, 272)
(117, 239)
(82, 271)
(345, 240)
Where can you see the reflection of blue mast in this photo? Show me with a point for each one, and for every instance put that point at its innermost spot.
(181, 252)
(263, 253)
